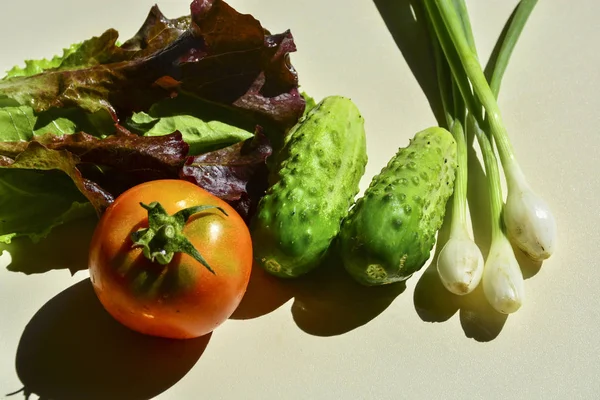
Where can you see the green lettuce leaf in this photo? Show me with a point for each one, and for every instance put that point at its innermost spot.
(34, 202)
(201, 136)
(204, 127)
(33, 67)
(21, 123)
(54, 179)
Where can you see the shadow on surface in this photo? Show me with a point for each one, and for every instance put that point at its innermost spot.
(329, 302)
(73, 349)
(66, 247)
(265, 294)
(529, 267)
(402, 18)
(326, 302)
(433, 302)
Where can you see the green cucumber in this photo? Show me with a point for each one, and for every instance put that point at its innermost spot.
(311, 189)
(389, 233)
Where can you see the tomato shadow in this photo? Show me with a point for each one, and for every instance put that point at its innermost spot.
(66, 247)
(326, 301)
(73, 349)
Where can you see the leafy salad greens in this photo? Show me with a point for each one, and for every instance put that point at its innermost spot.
(205, 97)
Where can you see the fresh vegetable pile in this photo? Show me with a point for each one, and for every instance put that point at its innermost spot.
(194, 145)
(174, 101)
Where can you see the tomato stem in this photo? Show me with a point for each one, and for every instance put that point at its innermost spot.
(164, 236)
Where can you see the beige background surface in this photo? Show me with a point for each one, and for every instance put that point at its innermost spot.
(325, 339)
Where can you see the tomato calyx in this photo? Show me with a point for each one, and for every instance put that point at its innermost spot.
(164, 236)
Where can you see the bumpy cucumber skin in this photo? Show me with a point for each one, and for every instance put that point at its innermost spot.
(389, 233)
(311, 189)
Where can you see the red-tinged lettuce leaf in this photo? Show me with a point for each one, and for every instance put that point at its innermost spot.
(253, 74)
(237, 174)
(94, 51)
(156, 33)
(36, 197)
(101, 169)
(36, 156)
(124, 160)
(113, 165)
(225, 58)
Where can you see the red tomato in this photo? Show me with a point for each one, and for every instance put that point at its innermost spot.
(181, 299)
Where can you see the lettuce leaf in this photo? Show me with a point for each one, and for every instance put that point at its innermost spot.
(210, 79)
(53, 179)
(201, 136)
(33, 67)
(204, 127)
(156, 32)
(237, 174)
(100, 168)
(34, 202)
(224, 58)
(20, 123)
(78, 169)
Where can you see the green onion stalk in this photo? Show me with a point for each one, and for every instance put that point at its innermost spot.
(503, 282)
(460, 262)
(528, 221)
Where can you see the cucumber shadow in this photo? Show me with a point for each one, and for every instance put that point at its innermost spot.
(265, 293)
(73, 349)
(329, 302)
(326, 301)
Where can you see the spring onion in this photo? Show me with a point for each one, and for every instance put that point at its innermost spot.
(528, 220)
(503, 283)
(460, 262)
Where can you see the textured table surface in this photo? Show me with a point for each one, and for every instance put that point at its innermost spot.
(324, 338)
